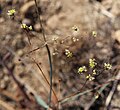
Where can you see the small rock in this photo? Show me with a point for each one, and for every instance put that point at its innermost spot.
(116, 35)
(53, 22)
(58, 6)
(1, 76)
(3, 84)
(9, 1)
(37, 27)
(116, 23)
(5, 71)
(99, 44)
(2, 20)
(6, 78)
(118, 87)
(26, 21)
(62, 16)
(26, 7)
(116, 7)
(20, 52)
(104, 51)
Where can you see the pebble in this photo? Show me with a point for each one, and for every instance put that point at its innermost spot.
(37, 27)
(6, 78)
(115, 8)
(2, 20)
(26, 21)
(116, 35)
(118, 87)
(20, 52)
(99, 44)
(53, 22)
(104, 51)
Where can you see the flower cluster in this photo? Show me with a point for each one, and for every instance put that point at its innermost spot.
(11, 12)
(107, 66)
(24, 26)
(92, 63)
(82, 69)
(68, 53)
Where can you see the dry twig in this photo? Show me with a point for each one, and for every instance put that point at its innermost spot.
(110, 96)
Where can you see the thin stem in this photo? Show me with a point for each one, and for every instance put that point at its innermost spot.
(76, 93)
(48, 51)
(44, 77)
(40, 21)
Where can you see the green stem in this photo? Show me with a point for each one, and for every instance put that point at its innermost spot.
(48, 51)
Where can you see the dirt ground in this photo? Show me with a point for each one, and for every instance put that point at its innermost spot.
(58, 18)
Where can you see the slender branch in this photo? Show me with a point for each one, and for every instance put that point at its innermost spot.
(78, 92)
(110, 96)
(40, 21)
(48, 51)
(44, 77)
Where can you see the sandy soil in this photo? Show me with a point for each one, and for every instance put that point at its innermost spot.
(58, 18)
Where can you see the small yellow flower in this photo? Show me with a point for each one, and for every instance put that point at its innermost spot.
(24, 26)
(30, 28)
(68, 53)
(94, 72)
(11, 12)
(94, 33)
(107, 66)
(82, 69)
(92, 63)
(97, 95)
(90, 78)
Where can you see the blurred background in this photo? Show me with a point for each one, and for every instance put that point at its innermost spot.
(58, 19)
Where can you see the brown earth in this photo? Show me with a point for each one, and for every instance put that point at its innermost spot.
(58, 18)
